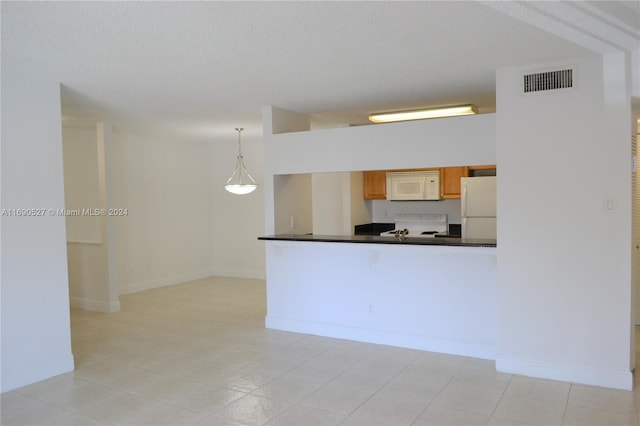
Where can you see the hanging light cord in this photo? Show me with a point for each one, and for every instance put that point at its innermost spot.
(240, 158)
(239, 130)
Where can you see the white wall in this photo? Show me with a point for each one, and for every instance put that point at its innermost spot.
(328, 203)
(181, 225)
(166, 187)
(238, 220)
(331, 201)
(293, 209)
(563, 260)
(36, 341)
(81, 190)
(320, 203)
(87, 249)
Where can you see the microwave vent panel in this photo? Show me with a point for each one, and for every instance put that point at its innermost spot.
(550, 80)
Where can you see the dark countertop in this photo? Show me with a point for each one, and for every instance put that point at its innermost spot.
(376, 239)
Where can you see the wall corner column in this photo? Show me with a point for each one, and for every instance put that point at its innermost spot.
(107, 224)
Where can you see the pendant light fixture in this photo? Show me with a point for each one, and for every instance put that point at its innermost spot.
(240, 182)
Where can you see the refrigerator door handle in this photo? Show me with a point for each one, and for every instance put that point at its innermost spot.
(464, 227)
(464, 199)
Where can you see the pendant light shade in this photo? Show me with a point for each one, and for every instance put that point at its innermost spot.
(240, 182)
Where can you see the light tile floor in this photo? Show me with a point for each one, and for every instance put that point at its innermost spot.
(198, 354)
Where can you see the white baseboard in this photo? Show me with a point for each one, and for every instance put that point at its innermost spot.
(165, 281)
(94, 305)
(382, 337)
(546, 370)
(240, 273)
(30, 370)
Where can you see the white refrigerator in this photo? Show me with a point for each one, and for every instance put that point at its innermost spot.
(478, 207)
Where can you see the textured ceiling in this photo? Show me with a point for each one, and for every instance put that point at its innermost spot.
(200, 69)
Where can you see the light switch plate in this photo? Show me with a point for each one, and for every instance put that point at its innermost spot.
(610, 205)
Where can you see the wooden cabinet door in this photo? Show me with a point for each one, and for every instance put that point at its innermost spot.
(450, 181)
(375, 185)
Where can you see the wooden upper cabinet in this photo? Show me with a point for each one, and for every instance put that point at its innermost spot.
(483, 167)
(375, 185)
(450, 181)
(375, 182)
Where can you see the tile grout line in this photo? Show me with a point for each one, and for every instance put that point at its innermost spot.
(439, 392)
(500, 400)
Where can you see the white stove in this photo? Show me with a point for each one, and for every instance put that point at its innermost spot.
(418, 225)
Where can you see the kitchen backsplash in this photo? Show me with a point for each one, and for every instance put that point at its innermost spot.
(384, 211)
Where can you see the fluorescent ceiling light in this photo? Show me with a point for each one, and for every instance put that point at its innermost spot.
(421, 114)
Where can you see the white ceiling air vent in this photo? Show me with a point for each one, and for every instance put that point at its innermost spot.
(550, 80)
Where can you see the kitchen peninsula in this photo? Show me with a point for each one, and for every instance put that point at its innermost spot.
(421, 293)
(535, 287)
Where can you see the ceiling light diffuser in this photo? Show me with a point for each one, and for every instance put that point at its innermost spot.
(421, 114)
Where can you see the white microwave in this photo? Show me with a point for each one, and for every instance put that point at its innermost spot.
(411, 186)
